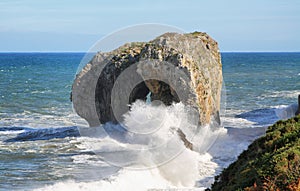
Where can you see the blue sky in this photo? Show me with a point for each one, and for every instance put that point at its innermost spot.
(65, 25)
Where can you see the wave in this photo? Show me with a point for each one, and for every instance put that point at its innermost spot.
(150, 153)
(54, 117)
(267, 116)
(282, 94)
(146, 152)
(260, 117)
(34, 134)
(286, 111)
(11, 130)
(189, 170)
(126, 180)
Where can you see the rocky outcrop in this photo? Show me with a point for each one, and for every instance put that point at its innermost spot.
(271, 162)
(172, 67)
(298, 110)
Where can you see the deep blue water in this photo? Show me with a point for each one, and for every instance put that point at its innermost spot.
(36, 86)
(258, 80)
(38, 135)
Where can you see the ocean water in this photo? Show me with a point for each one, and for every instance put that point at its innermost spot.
(43, 145)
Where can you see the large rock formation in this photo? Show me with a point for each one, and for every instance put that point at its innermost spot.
(173, 67)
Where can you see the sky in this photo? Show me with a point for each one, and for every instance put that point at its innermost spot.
(75, 25)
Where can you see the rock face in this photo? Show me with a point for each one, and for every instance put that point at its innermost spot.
(298, 110)
(172, 67)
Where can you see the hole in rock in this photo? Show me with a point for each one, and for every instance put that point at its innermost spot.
(152, 90)
(148, 91)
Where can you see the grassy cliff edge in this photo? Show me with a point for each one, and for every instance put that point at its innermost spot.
(271, 162)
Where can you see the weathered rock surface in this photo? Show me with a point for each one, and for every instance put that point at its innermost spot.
(173, 67)
(298, 110)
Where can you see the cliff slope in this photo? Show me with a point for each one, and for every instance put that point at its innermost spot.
(271, 162)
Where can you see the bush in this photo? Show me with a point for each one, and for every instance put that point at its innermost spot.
(271, 162)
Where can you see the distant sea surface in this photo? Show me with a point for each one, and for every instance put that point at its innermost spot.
(40, 145)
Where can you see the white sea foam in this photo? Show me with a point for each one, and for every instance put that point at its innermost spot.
(9, 132)
(173, 175)
(231, 121)
(30, 119)
(259, 117)
(153, 156)
(188, 171)
(286, 111)
(126, 180)
(148, 165)
(150, 153)
(283, 94)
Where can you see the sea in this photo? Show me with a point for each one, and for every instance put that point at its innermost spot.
(42, 146)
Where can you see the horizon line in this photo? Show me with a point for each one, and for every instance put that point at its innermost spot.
(98, 51)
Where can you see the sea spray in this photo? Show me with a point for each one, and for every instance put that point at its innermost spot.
(147, 140)
(286, 112)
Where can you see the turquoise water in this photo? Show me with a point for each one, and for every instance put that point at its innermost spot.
(39, 140)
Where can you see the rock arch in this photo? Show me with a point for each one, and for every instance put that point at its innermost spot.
(186, 68)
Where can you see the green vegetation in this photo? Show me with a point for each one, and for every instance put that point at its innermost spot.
(197, 33)
(271, 162)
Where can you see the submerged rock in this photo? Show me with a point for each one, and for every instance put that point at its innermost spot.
(172, 68)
